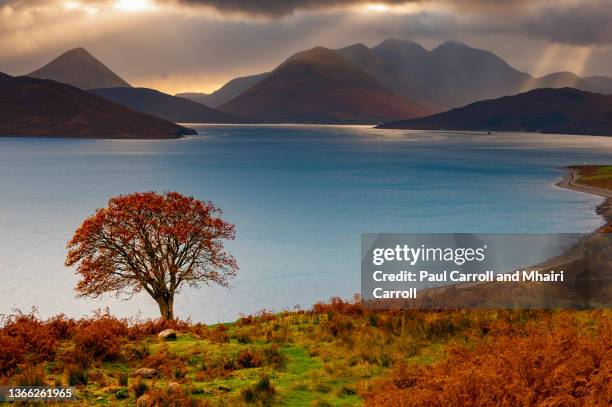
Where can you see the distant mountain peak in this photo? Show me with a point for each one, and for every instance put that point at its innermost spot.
(316, 51)
(320, 85)
(454, 44)
(359, 46)
(78, 50)
(316, 56)
(79, 68)
(397, 46)
(562, 74)
(399, 42)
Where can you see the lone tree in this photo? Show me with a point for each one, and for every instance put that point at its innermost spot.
(151, 242)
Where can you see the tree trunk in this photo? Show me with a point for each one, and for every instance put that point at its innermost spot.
(166, 306)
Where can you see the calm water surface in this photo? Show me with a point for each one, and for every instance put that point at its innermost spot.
(300, 197)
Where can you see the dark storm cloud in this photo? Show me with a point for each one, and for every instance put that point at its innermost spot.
(585, 23)
(280, 8)
(580, 22)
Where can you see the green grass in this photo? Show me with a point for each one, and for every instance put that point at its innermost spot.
(597, 173)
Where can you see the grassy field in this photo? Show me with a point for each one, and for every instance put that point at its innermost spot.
(336, 354)
(595, 175)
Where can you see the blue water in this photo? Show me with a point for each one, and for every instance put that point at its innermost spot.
(300, 197)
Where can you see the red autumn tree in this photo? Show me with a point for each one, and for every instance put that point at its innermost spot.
(151, 242)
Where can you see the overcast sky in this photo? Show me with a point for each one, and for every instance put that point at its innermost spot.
(197, 45)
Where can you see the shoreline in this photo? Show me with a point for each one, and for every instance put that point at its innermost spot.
(570, 182)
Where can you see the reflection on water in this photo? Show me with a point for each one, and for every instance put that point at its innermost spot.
(299, 195)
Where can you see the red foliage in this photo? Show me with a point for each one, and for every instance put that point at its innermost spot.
(218, 334)
(552, 362)
(11, 353)
(164, 362)
(62, 326)
(34, 337)
(100, 338)
(249, 358)
(262, 316)
(339, 306)
(154, 243)
(25, 338)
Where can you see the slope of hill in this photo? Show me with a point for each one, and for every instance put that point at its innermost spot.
(364, 58)
(603, 83)
(564, 111)
(463, 74)
(227, 92)
(562, 80)
(167, 107)
(38, 107)
(79, 68)
(198, 97)
(320, 86)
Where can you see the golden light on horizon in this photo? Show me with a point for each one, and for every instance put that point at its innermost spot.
(381, 8)
(376, 8)
(134, 5)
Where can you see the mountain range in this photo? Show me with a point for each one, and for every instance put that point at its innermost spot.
(320, 86)
(79, 68)
(395, 80)
(547, 110)
(450, 75)
(40, 107)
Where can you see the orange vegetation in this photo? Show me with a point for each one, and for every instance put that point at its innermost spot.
(386, 358)
(554, 361)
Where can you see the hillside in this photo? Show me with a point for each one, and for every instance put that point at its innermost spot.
(37, 107)
(172, 108)
(335, 354)
(320, 86)
(79, 68)
(227, 92)
(564, 111)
